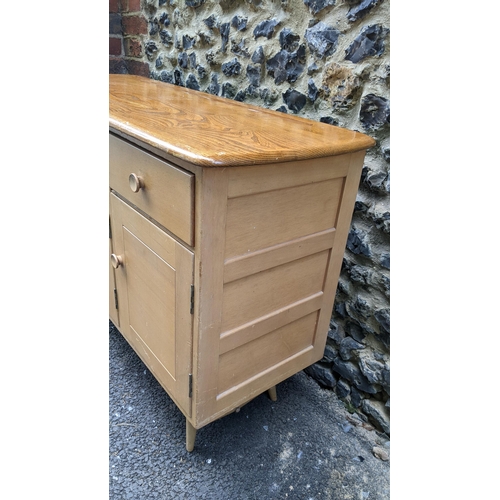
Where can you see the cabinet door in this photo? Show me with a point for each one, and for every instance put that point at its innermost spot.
(153, 280)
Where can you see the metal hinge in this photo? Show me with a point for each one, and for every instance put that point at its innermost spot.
(116, 299)
(190, 385)
(191, 311)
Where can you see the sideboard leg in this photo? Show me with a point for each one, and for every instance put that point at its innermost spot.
(190, 436)
(272, 393)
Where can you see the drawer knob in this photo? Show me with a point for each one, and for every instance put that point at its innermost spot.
(135, 182)
(116, 260)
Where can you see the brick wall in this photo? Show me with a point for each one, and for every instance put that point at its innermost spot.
(127, 25)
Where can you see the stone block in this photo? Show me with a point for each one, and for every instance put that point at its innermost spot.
(289, 41)
(224, 34)
(229, 90)
(287, 66)
(182, 60)
(355, 331)
(374, 112)
(154, 26)
(166, 37)
(316, 6)
(357, 242)
(347, 346)
(194, 3)
(322, 374)
(343, 389)
(150, 49)
(192, 82)
(258, 55)
(370, 42)
(312, 90)
(371, 368)
(232, 67)
(240, 48)
(253, 75)
(265, 29)
(214, 87)
(164, 19)
(239, 23)
(360, 10)
(352, 373)
(322, 39)
(379, 414)
(294, 100)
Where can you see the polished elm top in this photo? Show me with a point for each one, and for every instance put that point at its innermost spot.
(212, 131)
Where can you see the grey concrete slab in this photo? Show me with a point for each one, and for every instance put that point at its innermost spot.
(303, 446)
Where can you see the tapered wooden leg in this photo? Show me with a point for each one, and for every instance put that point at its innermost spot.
(272, 393)
(190, 436)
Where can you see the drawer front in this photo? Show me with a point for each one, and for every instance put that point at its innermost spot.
(164, 192)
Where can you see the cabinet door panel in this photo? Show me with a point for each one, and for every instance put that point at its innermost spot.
(154, 289)
(151, 299)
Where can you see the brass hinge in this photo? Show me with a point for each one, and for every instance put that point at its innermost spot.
(190, 385)
(191, 311)
(116, 299)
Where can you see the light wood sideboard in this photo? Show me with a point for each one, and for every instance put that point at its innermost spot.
(228, 224)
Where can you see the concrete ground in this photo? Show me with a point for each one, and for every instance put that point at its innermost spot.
(303, 446)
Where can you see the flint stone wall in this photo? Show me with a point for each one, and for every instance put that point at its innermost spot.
(326, 60)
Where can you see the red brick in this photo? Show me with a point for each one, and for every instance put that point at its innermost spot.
(133, 47)
(117, 66)
(131, 5)
(138, 68)
(134, 25)
(115, 24)
(115, 46)
(114, 6)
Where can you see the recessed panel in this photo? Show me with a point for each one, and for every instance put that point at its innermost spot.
(265, 219)
(151, 299)
(259, 294)
(249, 360)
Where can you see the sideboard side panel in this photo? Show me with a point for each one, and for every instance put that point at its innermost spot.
(283, 250)
(348, 200)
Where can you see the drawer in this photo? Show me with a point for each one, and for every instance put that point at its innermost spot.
(164, 192)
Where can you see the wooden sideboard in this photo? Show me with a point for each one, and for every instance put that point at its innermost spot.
(228, 224)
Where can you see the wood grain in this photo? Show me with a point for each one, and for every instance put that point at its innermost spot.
(255, 179)
(253, 358)
(168, 192)
(153, 287)
(262, 326)
(260, 260)
(262, 293)
(273, 217)
(213, 131)
(262, 243)
(337, 253)
(211, 198)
